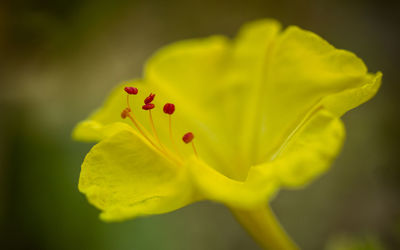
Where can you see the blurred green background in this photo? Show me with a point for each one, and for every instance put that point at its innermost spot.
(59, 60)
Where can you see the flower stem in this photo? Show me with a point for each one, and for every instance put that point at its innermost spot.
(263, 226)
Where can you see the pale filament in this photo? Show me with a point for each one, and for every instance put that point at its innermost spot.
(141, 131)
(162, 151)
(137, 124)
(127, 101)
(171, 137)
(154, 130)
(194, 150)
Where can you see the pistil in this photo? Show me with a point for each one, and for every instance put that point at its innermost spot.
(188, 138)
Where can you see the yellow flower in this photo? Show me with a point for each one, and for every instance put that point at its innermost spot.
(264, 109)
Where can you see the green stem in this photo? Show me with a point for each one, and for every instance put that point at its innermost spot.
(263, 226)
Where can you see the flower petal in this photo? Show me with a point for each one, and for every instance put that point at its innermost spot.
(260, 185)
(100, 124)
(189, 69)
(343, 101)
(305, 155)
(201, 76)
(309, 150)
(246, 97)
(191, 74)
(300, 71)
(125, 178)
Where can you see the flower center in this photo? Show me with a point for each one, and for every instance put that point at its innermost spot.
(169, 108)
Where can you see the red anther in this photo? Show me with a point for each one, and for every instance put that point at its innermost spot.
(148, 106)
(169, 108)
(149, 99)
(131, 90)
(125, 113)
(188, 137)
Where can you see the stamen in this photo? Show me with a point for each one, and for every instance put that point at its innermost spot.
(130, 91)
(148, 106)
(169, 109)
(187, 138)
(149, 99)
(127, 112)
(154, 128)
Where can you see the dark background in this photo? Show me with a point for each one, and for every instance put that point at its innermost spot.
(59, 60)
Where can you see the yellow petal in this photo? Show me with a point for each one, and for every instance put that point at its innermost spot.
(260, 185)
(189, 69)
(251, 55)
(300, 71)
(92, 130)
(343, 101)
(245, 98)
(100, 124)
(191, 73)
(307, 153)
(125, 178)
(208, 78)
(309, 150)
